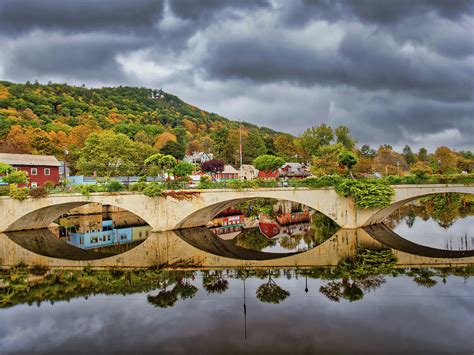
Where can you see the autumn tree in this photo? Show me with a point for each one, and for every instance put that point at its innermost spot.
(285, 146)
(213, 166)
(446, 160)
(164, 138)
(326, 162)
(389, 162)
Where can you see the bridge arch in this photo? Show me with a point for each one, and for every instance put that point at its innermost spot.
(40, 213)
(380, 215)
(207, 212)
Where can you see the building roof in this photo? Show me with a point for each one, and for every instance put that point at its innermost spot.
(248, 167)
(29, 159)
(229, 169)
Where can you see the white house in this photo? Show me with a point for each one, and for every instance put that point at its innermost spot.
(198, 157)
(248, 172)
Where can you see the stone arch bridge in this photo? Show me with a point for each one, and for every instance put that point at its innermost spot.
(168, 213)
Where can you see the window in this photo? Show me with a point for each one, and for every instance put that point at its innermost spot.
(34, 184)
(34, 171)
(47, 171)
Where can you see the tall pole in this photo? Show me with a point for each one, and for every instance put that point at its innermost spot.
(245, 312)
(240, 146)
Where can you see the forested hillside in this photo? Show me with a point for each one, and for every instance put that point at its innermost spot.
(46, 119)
(103, 129)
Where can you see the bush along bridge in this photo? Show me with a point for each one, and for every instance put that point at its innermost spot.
(349, 207)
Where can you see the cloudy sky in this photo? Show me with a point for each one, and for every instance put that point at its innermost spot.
(393, 71)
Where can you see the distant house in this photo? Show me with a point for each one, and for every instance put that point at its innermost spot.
(294, 171)
(248, 172)
(229, 172)
(39, 168)
(198, 157)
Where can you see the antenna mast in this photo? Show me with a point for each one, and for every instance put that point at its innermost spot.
(240, 147)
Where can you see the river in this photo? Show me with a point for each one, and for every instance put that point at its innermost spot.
(350, 292)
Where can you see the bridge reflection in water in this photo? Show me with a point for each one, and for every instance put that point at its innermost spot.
(198, 248)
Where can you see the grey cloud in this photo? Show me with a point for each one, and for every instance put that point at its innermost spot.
(380, 12)
(364, 60)
(207, 9)
(85, 15)
(85, 57)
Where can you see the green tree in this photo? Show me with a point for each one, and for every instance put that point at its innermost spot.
(422, 154)
(158, 163)
(270, 292)
(408, 155)
(183, 169)
(5, 168)
(343, 136)
(174, 149)
(268, 163)
(254, 146)
(316, 137)
(108, 154)
(16, 177)
(347, 159)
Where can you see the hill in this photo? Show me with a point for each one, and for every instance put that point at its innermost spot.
(46, 119)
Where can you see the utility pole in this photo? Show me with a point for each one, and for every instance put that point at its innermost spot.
(240, 146)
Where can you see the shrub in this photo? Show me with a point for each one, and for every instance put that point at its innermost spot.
(4, 190)
(138, 186)
(16, 177)
(114, 186)
(19, 194)
(205, 182)
(153, 190)
(48, 185)
(39, 192)
(367, 193)
(421, 170)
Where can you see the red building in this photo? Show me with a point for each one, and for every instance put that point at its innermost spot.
(39, 168)
(268, 175)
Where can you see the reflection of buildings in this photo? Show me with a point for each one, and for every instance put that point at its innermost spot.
(104, 226)
(286, 224)
(229, 222)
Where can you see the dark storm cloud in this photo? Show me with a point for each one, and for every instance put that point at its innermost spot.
(81, 56)
(381, 12)
(365, 61)
(84, 15)
(393, 71)
(207, 9)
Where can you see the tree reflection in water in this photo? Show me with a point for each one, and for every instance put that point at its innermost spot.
(359, 275)
(214, 282)
(349, 280)
(181, 290)
(445, 209)
(270, 292)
